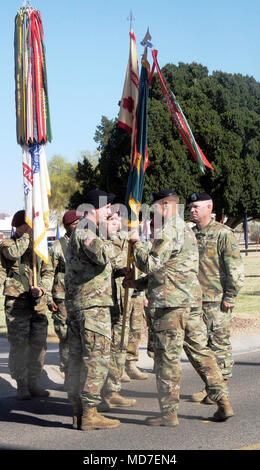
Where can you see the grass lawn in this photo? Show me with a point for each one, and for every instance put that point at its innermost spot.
(248, 300)
(247, 304)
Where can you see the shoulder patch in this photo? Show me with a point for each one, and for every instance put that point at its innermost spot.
(5, 242)
(88, 241)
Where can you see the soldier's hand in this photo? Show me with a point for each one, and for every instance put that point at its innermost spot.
(36, 291)
(129, 283)
(53, 307)
(123, 271)
(134, 235)
(129, 274)
(225, 306)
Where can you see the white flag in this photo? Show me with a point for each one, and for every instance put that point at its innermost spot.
(36, 194)
(130, 92)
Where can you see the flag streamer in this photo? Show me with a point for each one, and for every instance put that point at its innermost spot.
(180, 121)
(32, 104)
(33, 124)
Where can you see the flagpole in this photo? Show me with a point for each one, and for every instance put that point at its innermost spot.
(126, 295)
(35, 281)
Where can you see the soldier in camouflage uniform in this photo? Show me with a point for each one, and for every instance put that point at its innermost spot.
(175, 295)
(112, 387)
(25, 309)
(221, 277)
(88, 301)
(2, 270)
(57, 305)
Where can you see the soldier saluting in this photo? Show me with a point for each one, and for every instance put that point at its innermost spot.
(88, 301)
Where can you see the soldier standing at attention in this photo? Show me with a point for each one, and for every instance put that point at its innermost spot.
(174, 294)
(88, 301)
(221, 276)
(25, 309)
(57, 306)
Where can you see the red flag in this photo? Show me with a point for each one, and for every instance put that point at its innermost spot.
(129, 99)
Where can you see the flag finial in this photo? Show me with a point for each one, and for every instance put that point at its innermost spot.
(131, 18)
(146, 40)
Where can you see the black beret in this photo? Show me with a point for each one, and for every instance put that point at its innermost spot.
(18, 219)
(199, 197)
(70, 216)
(162, 194)
(99, 198)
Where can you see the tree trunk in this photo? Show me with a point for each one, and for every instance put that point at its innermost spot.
(233, 222)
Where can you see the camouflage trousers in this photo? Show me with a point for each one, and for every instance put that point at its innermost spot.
(117, 354)
(175, 329)
(89, 356)
(149, 321)
(136, 321)
(218, 326)
(61, 330)
(27, 335)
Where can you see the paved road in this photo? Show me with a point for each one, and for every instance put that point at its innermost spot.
(46, 423)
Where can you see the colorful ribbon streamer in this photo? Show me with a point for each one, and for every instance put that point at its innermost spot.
(32, 104)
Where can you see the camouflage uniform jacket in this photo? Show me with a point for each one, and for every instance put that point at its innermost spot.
(16, 255)
(2, 270)
(172, 267)
(88, 271)
(221, 270)
(58, 262)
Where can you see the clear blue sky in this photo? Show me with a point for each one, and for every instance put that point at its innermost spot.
(87, 48)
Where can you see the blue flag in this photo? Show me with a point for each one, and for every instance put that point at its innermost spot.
(245, 228)
(58, 232)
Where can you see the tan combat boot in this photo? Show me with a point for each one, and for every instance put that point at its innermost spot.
(125, 377)
(199, 396)
(91, 419)
(22, 390)
(224, 410)
(113, 399)
(207, 401)
(133, 372)
(170, 419)
(36, 391)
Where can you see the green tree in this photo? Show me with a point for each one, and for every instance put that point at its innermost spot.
(63, 183)
(223, 111)
(114, 145)
(87, 177)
